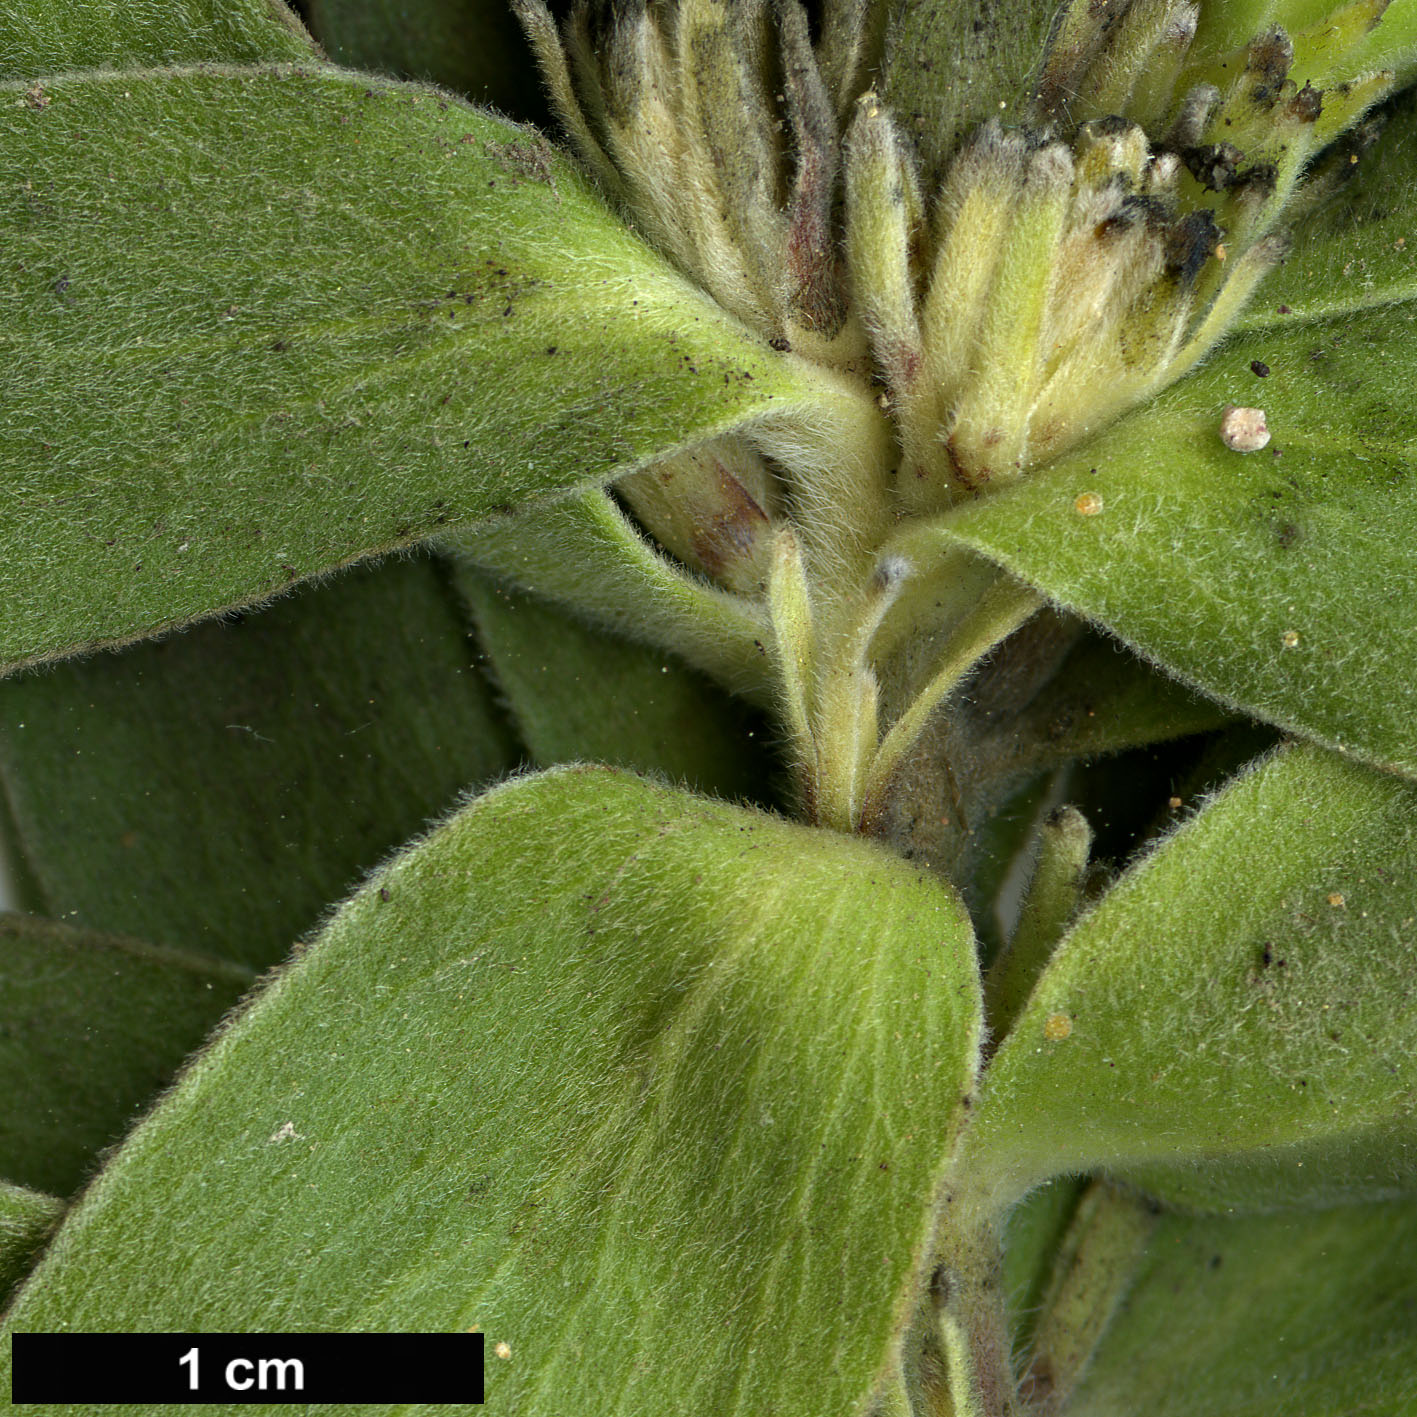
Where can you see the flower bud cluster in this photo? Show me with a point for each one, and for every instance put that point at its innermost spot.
(716, 125)
(1052, 284)
(1061, 270)
(1062, 283)
(1001, 294)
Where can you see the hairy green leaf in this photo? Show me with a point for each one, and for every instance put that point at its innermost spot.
(257, 323)
(599, 1067)
(219, 788)
(1235, 1022)
(26, 1219)
(1358, 250)
(40, 37)
(91, 1027)
(579, 694)
(1101, 700)
(474, 46)
(1267, 1316)
(1278, 581)
(584, 552)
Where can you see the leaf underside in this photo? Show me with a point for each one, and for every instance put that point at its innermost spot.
(91, 1026)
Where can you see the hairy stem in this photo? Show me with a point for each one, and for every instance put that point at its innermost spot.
(839, 463)
(847, 696)
(790, 614)
(1049, 905)
(966, 1287)
(1092, 1273)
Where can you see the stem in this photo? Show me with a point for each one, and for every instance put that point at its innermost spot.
(1094, 1269)
(1051, 901)
(968, 1392)
(839, 459)
(790, 614)
(967, 1289)
(847, 695)
(998, 613)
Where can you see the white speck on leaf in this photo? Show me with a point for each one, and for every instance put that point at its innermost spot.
(1244, 429)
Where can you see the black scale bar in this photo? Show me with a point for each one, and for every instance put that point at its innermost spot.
(90, 1369)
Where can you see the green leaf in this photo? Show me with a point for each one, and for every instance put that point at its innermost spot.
(1278, 581)
(474, 46)
(1267, 1316)
(26, 1219)
(323, 316)
(581, 695)
(1101, 700)
(599, 1067)
(91, 1028)
(1233, 1024)
(42, 37)
(583, 552)
(218, 789)
(1359, 250)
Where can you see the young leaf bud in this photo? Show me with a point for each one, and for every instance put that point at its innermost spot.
(546, 45)
(1154, 89)
(730, 157)
(1109, 149)
(973, 217)
(989, 437)
(1193, 116)
(1081, 32)
(815, 298)
(1267, 66)
(882, 213)
(709, 507)
(1151, 35)
(790, 615)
